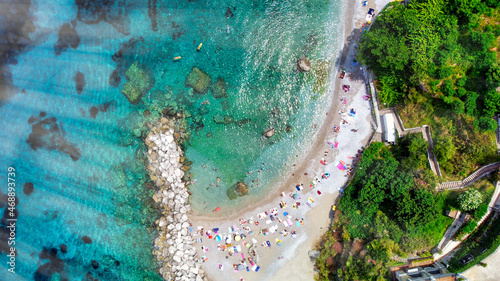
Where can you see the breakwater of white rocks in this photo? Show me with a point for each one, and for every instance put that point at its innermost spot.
(173, 245)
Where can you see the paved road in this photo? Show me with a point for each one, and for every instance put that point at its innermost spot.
(489, 273)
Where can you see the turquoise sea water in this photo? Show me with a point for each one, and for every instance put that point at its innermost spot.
(103, 193)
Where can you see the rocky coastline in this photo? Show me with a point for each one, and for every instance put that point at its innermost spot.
(173, 245)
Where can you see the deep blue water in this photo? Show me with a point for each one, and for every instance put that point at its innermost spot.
(77, 146)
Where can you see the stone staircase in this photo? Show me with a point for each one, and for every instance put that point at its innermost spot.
(479, 173)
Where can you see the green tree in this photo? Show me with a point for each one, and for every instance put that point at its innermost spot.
(485, 124)
(444, 149)
(470, 200)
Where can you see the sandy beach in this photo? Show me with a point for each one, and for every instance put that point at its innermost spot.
(321, 184)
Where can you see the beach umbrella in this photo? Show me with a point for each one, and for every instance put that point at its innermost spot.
(240, 267)
(285, 214)
(237, 238)
(280, 243)
(247, 245)
(217, 238)
(296, 196)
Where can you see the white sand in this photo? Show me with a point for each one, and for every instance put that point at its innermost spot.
(296, 264)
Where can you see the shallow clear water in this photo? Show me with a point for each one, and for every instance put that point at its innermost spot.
(103, 194)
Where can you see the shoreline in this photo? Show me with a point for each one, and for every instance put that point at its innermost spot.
(321, 137)
(292, 262)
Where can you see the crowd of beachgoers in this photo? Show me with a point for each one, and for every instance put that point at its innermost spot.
(246, 244)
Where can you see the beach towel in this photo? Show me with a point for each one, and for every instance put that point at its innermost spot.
(285, 223)
(336, 145)
(341, 167)
(289, 222)
(297, 223)
(331, 143)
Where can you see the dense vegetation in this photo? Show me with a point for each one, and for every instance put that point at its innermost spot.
(437, 62)
(484, 241)
(389, 208)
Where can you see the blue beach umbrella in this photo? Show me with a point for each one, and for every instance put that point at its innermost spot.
(285, 214)
(217, 238)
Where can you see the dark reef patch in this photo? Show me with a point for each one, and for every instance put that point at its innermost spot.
(123, 59)
(88, 277)
(177, 32)
(54, 265)
(47, 133)
(87, 240)
(112, 11)
(16, 24)
(229, 13)
(3, 200)
(153, 13)
(4, 240)
(104, 107)
(68, 37)
(8, 214)
(64, 248)
(28, 188)
(79, 81)
(95, 264)
(93, 111)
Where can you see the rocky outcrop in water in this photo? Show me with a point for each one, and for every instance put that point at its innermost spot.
(304, 65)
(199, 81)
(140, 81)
(219, 89)
(269, 133)
(239, 189)
(173, 246)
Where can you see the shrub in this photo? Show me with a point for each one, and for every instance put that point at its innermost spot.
(485, 124)
(470, 200)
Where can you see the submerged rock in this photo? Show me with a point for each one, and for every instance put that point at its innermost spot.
(218, 119)
(87, 240)
(228, 119)
(224, 104)
(79, 81)
(269, 133)
(48, 133)
(64, 248)
(219, 89)
(239, 189)
(28, 188)
(304, 65)
(199, 81)
(243, 121)
(203, 109)
(223, 119)
(140, 81)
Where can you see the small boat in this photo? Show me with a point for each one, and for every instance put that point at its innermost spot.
(217, 209)
(177, 58)
(199, 47)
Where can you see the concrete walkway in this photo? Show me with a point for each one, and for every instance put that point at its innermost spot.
(448, 250)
